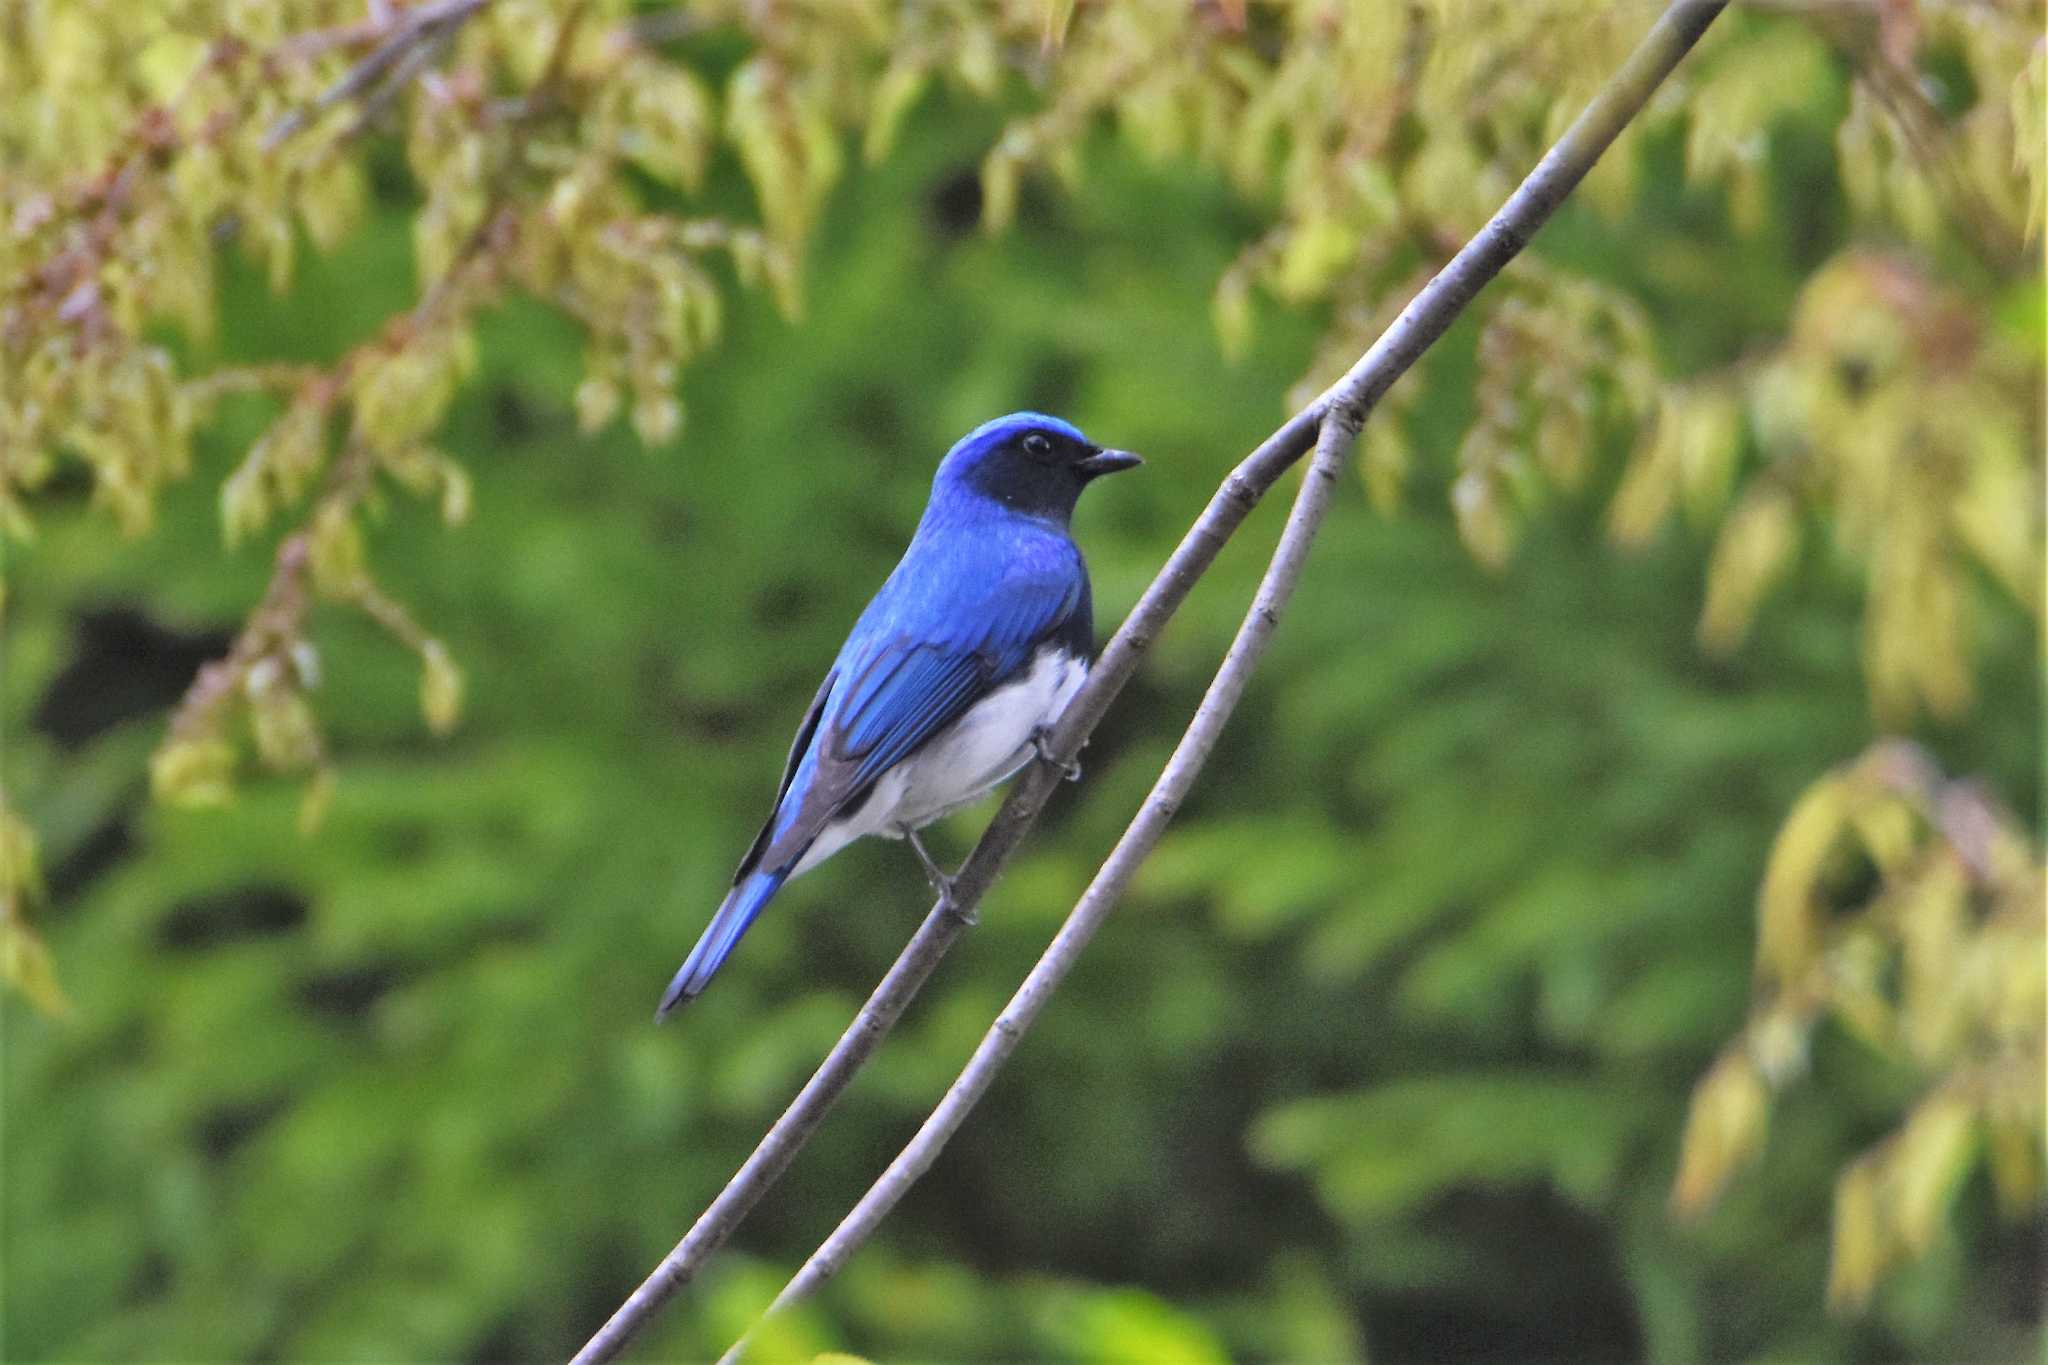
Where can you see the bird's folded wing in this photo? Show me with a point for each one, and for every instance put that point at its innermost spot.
(798, 748)
(899, 691)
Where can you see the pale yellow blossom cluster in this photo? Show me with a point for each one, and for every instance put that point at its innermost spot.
(1943, 965)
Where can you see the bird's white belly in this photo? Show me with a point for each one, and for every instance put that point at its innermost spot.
(961, 762)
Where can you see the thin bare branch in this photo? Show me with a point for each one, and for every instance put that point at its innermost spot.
(418, 57)
(416, 37)
(1425, 319)
(1176, 779)
(1341, 412)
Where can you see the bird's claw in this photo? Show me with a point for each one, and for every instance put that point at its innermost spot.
(1070, 769)
(942, 885)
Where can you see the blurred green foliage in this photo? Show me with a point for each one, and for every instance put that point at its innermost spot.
(1389, 1053)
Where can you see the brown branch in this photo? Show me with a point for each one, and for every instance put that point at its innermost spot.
(84, 221)
(279, 618)
(273, 377)
(413, 38)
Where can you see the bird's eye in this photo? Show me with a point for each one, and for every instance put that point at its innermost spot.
(1037, 445)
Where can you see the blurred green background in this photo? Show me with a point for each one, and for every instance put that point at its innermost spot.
(1388, 1053)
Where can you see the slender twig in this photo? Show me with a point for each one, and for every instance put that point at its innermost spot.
(276, 377)
(418, 57)
(1239, 493)
(1228, 508)
(1342, 411)
(1176, 779)
(416, 37)
(1420, 324)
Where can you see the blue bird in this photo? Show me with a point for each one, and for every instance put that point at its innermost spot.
(976, 643)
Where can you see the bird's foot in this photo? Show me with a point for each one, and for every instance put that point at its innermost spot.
(1070, 769)
(942, 885)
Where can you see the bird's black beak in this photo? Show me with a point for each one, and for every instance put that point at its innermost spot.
(1106, 462)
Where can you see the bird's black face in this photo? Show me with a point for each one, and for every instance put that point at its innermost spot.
(1040, 468)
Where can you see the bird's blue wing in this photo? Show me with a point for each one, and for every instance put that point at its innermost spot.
(798, 747)
(908, 694)
(901, 681)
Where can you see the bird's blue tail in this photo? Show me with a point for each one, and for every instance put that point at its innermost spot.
(721, 936)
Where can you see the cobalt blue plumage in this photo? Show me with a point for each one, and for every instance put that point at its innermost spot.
(976, 642)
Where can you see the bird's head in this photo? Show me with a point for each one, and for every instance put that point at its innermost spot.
(1028, 462)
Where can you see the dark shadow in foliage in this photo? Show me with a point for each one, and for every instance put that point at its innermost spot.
(2019, 1259)
(1587, 1314)
(104, 846)
(514, 421)
(504, 1342)
(784, 603)
(123, 665)
(258, 910)
(953, 206)
(223, 1130)
(151, 1278)
(348, 992)
(403, 841)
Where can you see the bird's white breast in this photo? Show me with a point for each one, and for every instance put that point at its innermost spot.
(991, 741)
(963, 761)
